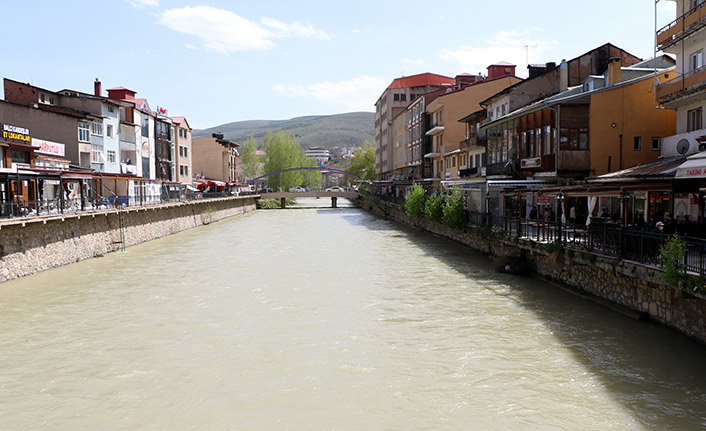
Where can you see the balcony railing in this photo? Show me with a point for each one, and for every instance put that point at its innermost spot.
(473, 141)
(681, 27)
(682, 85)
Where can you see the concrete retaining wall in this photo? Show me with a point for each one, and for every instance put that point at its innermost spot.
(36, 244)
(628, 284)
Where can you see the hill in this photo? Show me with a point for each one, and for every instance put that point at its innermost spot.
(341, 130)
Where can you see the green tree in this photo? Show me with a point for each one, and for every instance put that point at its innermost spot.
(248, 159)
(434, 208)
(453, 214)
(363, 162)
(414, 201)
(283, 152)
(673, 252)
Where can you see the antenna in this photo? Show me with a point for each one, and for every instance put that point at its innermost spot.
(527, 47)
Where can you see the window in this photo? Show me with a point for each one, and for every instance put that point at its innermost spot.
(111, 108)
(396, 97)
(656, 144)
(637, 143)
(111, 156)
(403, 97)
(697, 60)
(84, 133)
(583, 139)
(109, 131)
(52, 101)
(547, 140)
(41, 97)
(145, 126)
(693, 119)
(97, 128)
(96, 153)
(19, 156)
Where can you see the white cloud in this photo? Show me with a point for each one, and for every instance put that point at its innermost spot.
(357, 94)
(218, 29)
(226, 32)
(507, 46)
(143, 3)
(295, 29)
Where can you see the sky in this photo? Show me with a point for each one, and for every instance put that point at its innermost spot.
(221, 61)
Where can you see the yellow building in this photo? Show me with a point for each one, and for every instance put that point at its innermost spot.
(448, 134)
(215, 158)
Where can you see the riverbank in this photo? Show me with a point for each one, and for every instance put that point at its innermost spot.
(632, 285)
(30, 245)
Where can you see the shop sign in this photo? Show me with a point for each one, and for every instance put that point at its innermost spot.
(48, 147)
(15, 133)
(543, 200)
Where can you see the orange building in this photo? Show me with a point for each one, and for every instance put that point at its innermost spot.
(448, 134)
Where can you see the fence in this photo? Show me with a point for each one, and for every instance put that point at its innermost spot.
(68, 206)
(608, 239)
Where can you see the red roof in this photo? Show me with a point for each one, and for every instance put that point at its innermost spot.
(421, 80)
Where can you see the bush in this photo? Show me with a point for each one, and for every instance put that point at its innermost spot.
(434, 208)
(414, 201)
(555, 247)
(453, 214)
(673, 252)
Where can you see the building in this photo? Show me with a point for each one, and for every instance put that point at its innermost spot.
(182, 147)
(215, 158)
(320, 154)
(391, 102)
(448, 134)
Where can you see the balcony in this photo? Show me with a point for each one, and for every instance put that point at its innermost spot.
(470, 172)
(473, 141)
(681, 27)
(574, 160)
(681, 86)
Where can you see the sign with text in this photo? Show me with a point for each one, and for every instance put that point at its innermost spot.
(543, 200)
(15, 133)
(49, 147)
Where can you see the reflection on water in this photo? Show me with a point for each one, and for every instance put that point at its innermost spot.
(327, 319)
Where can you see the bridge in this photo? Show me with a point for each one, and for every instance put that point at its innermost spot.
(283, 196)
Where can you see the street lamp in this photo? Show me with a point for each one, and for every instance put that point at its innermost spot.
(560, 205)
(487, 206)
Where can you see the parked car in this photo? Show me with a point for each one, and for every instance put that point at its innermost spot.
(297, 189)
(335, 189)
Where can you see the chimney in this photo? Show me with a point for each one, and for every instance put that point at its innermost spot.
(97, 88)
(614, 65)
(563, 75)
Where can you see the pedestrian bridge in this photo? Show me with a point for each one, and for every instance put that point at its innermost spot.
(283, 196)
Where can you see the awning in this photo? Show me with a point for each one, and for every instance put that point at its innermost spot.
(431, 155)
(693, 167)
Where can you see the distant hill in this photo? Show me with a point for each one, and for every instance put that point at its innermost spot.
(341, 130)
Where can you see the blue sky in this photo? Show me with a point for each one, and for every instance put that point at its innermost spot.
(221, 61)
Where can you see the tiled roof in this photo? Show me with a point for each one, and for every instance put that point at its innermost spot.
(422, 80)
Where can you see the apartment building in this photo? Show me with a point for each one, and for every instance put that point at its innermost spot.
(391, 102)
(215, 158)
(182, 147)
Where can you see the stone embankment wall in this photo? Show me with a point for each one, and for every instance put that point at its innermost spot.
(626, 284)
(36, 244)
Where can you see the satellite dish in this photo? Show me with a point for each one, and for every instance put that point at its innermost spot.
(683, 146)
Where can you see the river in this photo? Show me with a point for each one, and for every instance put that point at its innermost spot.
(317, 318)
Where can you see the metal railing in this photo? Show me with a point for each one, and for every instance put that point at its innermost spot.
(602, 238)
(58, 206)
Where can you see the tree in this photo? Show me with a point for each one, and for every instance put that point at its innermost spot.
(363, 162)
(414, 201)
(284, 152)
(434, 208)
(453, 214)
(248, 159)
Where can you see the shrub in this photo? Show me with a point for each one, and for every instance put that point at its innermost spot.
(414, 201)
(555, 247)
(434, 208)
(453, 214)
(673, 252)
